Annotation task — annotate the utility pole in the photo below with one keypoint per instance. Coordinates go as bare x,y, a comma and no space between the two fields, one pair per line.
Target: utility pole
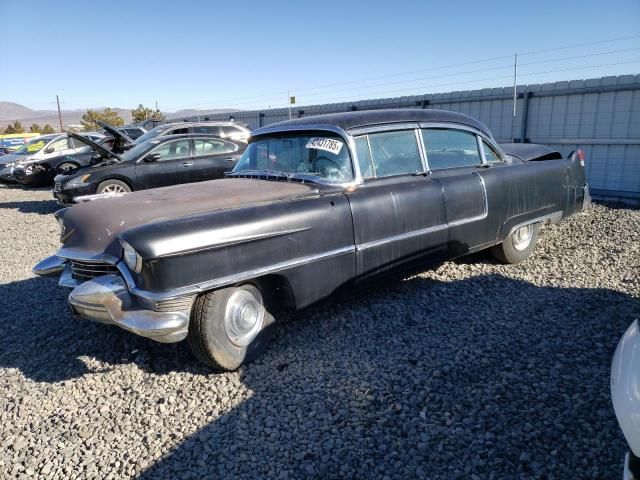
156,105
515,80
289,103
59,114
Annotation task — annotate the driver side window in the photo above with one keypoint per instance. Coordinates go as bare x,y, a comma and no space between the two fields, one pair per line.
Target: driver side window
59,145
395,153
172,150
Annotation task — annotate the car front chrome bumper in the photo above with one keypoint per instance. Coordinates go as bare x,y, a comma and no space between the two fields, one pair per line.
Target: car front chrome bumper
106,299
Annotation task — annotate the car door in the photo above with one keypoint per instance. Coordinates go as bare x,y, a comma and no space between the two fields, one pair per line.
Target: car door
398,213
164,165
454,159
212,157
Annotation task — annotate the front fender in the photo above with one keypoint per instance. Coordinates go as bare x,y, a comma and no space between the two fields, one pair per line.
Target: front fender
625,385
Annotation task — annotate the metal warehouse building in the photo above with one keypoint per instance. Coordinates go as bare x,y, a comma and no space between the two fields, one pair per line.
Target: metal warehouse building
600,115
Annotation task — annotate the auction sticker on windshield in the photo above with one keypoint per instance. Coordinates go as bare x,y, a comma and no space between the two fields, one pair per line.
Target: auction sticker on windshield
327,144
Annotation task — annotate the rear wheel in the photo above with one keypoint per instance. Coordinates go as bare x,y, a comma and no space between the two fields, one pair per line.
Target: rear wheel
113,186
229,327
518,246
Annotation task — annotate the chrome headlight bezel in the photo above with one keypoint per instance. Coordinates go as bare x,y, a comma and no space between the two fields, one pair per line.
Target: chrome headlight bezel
130,257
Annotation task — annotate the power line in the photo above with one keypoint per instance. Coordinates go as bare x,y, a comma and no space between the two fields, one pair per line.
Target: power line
274,95
369,94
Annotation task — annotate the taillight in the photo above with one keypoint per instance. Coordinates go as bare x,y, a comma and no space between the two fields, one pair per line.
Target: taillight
581,156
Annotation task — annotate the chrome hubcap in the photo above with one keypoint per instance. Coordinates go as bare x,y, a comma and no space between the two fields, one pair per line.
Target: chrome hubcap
522,237
243,317
114,188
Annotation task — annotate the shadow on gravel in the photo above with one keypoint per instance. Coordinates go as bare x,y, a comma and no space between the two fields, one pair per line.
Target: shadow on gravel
412,381
42,339
487,376
44,207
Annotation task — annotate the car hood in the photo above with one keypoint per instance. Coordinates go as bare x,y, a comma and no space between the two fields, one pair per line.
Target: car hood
12,157
91,228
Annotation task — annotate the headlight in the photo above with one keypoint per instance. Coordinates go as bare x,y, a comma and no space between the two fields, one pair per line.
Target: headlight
131,257
78,181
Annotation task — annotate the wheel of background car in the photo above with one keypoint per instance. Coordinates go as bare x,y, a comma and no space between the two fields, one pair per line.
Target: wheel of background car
229,327
65,167
337,169
113,186
518,246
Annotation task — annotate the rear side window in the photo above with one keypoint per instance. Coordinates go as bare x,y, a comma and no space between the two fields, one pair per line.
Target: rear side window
172,150
59,145
450,148
364,157
179,131
490,154
207,129
395,153
213,147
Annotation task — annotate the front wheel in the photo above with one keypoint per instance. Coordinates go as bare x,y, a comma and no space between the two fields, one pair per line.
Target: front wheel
113,186
518,246
229,327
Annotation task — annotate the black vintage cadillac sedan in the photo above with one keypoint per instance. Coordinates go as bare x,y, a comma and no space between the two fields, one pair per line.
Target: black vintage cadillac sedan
314,205
167,160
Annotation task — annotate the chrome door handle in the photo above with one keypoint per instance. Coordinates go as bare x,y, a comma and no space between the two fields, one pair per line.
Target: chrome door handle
229,159
187,164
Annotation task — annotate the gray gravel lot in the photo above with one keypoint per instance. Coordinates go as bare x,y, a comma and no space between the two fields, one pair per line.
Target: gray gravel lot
475,370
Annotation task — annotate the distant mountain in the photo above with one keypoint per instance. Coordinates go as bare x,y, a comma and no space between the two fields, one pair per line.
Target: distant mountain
9,112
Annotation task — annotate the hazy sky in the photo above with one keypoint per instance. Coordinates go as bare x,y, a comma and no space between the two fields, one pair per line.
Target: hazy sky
208,54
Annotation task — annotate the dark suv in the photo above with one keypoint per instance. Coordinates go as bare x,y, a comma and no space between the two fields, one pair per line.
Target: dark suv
225,130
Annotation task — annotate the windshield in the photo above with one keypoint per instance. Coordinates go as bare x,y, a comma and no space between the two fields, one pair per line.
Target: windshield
32,146
153,133
323,155
138,150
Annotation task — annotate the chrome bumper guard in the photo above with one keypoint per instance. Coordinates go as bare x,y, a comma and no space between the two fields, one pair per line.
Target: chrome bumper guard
106,299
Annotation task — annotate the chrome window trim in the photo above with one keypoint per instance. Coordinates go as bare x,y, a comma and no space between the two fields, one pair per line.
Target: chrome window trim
421,152
423,147
387,127
230,279
483,159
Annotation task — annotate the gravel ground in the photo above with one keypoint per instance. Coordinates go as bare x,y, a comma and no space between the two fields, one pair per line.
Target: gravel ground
475,370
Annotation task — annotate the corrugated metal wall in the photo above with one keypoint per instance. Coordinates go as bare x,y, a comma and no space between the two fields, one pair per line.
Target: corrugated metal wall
601,116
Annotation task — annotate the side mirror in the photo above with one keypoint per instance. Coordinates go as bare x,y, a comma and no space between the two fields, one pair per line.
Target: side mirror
49,150
152,158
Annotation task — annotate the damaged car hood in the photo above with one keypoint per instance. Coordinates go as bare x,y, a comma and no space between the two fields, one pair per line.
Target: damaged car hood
90,229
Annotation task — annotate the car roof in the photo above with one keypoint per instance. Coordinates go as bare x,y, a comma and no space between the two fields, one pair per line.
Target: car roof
174,136
219,123
367,118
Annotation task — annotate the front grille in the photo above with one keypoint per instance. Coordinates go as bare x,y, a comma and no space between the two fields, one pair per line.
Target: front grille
174,305
88,270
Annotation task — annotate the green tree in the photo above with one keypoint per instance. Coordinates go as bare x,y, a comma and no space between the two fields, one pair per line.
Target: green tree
91,118
142,113
35,128
48,129
15,127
